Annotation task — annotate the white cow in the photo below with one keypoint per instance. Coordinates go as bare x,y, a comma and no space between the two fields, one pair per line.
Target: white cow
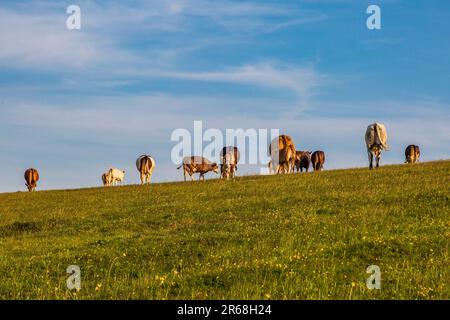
229,159
376,141
115,176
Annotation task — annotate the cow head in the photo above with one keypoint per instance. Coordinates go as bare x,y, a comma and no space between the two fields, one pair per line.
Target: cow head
31,186
215,167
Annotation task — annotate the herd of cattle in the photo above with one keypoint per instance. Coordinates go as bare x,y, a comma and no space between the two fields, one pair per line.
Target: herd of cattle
284,159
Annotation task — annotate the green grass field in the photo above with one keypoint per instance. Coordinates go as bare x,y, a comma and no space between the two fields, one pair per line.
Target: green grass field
302,236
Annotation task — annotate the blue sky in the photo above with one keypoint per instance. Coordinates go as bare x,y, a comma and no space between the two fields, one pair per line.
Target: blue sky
74,102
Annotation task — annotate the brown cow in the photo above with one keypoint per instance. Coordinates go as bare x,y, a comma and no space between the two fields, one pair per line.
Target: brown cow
200,165
145,165
318,159
412,154
284,159
31,178
302,160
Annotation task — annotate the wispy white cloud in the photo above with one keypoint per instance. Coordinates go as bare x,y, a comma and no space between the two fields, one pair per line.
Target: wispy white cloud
43,42
301,80
34,35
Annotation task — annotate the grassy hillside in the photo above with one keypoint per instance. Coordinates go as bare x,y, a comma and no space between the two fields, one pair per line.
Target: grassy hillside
302,236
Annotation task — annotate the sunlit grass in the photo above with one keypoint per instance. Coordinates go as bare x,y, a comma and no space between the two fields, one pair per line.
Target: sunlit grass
302,236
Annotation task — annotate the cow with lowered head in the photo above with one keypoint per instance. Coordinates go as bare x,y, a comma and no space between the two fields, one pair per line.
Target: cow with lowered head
197,164
31,179
318,160
376,142
302,160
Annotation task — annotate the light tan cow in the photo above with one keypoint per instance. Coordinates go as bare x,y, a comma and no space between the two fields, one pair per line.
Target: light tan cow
145,165
282,154
115,176
376,142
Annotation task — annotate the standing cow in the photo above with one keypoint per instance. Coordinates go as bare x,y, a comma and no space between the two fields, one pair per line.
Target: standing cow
115,176
376,141
31,178
282,154
412,154
198,164
145,165
302,160
318,160
229,159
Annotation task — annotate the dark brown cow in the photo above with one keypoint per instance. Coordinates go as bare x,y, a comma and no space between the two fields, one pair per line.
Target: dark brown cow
31,178
302,160
318,159
200,165
412,154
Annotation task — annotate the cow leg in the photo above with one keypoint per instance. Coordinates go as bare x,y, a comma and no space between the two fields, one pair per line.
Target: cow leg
142,178
370,154
378,156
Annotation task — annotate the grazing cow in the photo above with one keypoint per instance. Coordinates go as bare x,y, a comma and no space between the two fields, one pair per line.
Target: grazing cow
282,154
31,178
376,141
200,165
302,160
115,176
145,165
318,160
412,154
229,159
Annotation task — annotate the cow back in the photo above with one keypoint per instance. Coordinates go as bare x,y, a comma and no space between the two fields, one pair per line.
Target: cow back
282,142
381,135
31,176
412,151
318,157
196,160
230,154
